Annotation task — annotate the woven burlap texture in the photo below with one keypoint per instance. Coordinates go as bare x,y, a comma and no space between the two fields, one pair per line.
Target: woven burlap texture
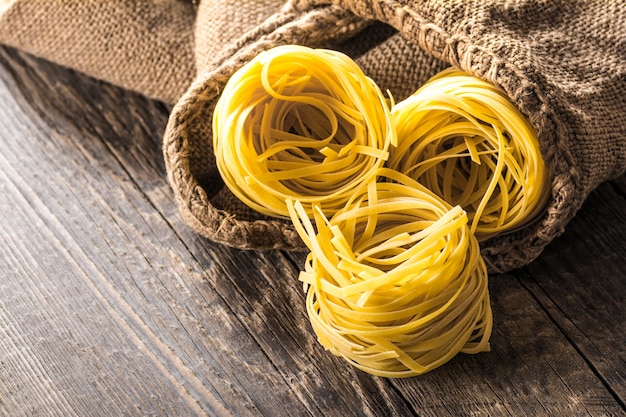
145,46
562,63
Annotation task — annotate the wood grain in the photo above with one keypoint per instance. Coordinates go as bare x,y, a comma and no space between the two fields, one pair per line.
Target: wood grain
111,305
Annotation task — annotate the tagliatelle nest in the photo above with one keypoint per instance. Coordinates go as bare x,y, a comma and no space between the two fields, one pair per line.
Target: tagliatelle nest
395,281
300,123
464,140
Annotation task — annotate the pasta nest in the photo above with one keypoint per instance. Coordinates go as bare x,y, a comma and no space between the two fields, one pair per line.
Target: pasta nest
465,141
300,123
395,281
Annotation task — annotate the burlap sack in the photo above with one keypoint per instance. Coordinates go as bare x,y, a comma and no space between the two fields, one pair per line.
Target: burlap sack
563,63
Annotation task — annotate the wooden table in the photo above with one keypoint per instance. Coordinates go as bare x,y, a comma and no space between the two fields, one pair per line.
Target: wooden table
110,305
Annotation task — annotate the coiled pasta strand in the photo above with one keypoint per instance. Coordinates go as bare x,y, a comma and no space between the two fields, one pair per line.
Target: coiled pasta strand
462,138
395,281
300,123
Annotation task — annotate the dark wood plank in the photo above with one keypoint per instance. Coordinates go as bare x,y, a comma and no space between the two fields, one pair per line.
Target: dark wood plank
110,304
581,282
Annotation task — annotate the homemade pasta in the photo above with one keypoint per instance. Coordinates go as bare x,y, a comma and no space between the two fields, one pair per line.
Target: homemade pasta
395,281
303,124
462,138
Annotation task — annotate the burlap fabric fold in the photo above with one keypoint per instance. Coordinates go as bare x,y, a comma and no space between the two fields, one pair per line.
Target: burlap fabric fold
562,63
145,46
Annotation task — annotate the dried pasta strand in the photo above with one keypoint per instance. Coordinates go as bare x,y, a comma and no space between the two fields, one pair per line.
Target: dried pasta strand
461,137
395,281
300,123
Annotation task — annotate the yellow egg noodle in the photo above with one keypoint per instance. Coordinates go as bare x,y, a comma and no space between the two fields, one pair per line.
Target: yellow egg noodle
300,123
462,138
395,281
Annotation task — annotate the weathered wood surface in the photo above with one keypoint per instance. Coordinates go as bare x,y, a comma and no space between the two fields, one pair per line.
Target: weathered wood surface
110,305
